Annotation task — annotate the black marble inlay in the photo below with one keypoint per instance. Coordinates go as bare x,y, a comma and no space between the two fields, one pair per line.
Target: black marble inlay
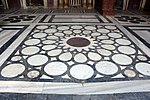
139,28
134,22
7,19
10,41
130,19
19,18
121,19
141,20
27,19
15,21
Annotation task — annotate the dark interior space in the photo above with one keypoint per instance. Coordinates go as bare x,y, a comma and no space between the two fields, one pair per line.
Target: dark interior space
119,4
147,6
35,3
14,3
134,4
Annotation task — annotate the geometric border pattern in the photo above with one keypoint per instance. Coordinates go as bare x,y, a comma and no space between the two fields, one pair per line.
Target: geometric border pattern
47,45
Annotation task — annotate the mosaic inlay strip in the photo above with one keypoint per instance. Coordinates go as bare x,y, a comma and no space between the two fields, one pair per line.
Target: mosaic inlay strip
74,19
20,18
8,34
130,20
76,53
141,32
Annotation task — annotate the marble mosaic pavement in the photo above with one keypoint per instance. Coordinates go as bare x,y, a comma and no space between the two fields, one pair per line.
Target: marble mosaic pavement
56,56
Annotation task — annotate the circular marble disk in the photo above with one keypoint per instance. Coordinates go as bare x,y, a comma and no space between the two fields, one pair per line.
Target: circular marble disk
122,59
143,68
65,56
37,60
33,74
32,42
30,50
129,73
81,72
13,70
55,68
106,67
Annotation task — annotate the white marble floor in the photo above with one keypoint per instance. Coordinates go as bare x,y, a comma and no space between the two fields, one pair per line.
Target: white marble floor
73,54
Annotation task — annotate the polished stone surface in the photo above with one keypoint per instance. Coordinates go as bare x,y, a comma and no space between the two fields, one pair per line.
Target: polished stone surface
72,53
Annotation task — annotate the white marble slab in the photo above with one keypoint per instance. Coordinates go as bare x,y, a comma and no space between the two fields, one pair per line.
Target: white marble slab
75,88
6,35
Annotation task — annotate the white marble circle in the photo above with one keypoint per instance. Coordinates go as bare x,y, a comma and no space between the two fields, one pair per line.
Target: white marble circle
126,50
68,32
115,35
16,58
123,41
81,72
55,52
129,73
50,31
33,74
143,68
65,56
80,58
76,27
106,67
108,47
77,31
96,34
90,28
94,56
37,60
1,29
30,50
111,27
63,28
36,30
59,34
39,35
103,37
104,52
107,41
49,42
49,47
42,27
13,70
103,30
52,37
122,59
32,42
55,68
86,32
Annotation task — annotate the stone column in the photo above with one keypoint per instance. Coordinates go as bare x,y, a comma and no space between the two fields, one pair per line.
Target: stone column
61,3
24,4
55,3
65,3
90,5
45,3
4,4
142,5
125,4
84,3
